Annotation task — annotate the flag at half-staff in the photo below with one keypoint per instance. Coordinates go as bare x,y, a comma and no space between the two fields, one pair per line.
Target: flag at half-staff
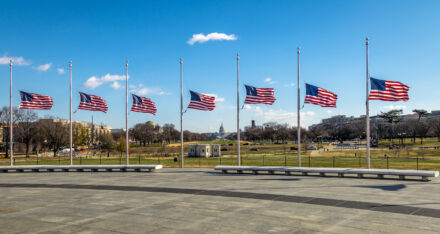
259,95
35,101
143,105
201,101
385,90
320,96
92,103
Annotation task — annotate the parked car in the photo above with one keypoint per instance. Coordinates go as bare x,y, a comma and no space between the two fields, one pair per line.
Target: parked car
293,148
66,152
312,147
224,149
254,149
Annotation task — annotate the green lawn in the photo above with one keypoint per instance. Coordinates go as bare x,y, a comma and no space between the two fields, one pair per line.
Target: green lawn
267,155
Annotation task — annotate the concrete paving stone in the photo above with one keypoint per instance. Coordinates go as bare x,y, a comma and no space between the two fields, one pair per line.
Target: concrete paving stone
11,225
114,226
214,203
387,228
350,230
71,229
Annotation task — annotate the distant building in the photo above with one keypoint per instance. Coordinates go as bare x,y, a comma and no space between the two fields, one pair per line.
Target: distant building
221,132
204,150
93,131
116,130
253,124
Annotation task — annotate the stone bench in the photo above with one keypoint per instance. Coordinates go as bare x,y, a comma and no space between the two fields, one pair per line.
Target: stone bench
341,172
79,168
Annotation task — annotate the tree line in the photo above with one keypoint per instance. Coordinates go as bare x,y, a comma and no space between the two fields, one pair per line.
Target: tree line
34,134
390,125
149,133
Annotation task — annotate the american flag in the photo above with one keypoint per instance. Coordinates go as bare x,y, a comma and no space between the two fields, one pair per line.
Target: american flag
92,103
259,95
143,105
320,96
35,101
385,90
201,101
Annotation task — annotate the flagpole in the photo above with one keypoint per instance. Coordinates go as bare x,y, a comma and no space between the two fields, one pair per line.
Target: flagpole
11,128
70,114
238,111
126,113
367,116
299,117
181,115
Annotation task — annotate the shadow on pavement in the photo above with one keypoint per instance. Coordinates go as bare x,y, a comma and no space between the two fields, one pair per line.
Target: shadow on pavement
394,187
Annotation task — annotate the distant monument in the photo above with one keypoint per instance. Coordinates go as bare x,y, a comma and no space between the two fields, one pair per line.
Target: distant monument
221,132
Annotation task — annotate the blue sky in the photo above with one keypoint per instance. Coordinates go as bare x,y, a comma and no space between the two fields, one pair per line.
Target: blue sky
98,36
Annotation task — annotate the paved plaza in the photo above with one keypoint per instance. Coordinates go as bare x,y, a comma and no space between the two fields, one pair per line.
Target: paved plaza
204,201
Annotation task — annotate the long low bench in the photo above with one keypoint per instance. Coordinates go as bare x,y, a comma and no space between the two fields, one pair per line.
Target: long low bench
79,168
341,172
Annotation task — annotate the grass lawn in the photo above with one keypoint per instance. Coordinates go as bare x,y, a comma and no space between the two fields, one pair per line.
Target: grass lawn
412,157
266,159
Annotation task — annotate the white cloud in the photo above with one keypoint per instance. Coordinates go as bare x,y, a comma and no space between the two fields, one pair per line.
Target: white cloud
289,85
115,85
19,61
269,81
94,82
61,71
393,107
217,98
202,38
329,111
141,90
43,67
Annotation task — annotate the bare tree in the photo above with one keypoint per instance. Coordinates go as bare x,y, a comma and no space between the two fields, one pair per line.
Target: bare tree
27,128
422,129
434,123
54,134
107,143
4,120
392,116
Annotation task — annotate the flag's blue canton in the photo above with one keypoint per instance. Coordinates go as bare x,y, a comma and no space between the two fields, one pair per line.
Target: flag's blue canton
311,90
195,96
26,97
377,84
85,98
251,91
137,100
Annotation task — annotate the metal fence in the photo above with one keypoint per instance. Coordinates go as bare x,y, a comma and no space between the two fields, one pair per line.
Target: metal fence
247,159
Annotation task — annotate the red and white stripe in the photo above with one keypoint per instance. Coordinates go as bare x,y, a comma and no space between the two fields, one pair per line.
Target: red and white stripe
325,98
97,104
40,102
394,91
264,96
147,106
207,103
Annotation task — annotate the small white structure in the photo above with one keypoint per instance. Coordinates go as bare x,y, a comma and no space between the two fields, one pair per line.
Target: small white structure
204,150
